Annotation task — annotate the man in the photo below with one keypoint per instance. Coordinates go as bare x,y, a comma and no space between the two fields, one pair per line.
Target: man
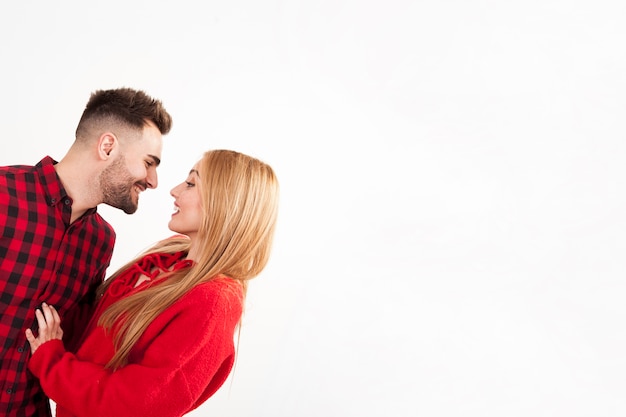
54,246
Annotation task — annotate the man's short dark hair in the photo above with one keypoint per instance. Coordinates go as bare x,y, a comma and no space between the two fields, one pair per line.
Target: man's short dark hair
125,105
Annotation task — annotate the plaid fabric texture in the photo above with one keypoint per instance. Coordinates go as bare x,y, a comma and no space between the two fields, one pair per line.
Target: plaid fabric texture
42,259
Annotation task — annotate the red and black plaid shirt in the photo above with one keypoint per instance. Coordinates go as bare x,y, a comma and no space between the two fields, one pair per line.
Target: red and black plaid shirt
42,258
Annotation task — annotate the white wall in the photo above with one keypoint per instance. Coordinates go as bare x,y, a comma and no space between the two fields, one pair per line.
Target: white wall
452,232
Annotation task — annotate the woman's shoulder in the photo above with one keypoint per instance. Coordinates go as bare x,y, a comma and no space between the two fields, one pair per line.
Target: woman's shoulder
206,302
220,299
218,290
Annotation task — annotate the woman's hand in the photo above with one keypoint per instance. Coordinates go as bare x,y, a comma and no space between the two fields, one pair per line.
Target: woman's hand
49,327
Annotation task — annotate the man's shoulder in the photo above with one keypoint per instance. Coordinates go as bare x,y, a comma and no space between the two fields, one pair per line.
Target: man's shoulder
30,173
43,162
17,170
17,179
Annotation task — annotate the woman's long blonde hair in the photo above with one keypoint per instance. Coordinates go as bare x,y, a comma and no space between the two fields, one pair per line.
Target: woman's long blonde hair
240,200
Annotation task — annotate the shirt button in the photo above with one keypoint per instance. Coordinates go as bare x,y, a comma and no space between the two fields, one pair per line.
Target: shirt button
20,349
67,202
9,391
53,200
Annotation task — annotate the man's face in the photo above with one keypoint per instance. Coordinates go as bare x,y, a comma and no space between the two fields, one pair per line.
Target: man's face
132,171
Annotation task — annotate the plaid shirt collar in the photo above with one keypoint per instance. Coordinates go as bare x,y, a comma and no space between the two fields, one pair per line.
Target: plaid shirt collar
55,192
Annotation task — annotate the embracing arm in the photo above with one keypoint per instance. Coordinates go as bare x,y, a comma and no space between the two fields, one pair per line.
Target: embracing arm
186,357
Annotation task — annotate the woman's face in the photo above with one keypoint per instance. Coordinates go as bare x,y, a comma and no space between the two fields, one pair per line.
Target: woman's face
187,216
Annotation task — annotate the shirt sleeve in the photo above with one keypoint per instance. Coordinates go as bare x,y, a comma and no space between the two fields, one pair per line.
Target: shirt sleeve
180,368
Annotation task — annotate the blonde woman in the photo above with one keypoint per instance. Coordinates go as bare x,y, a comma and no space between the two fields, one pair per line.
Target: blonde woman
161,339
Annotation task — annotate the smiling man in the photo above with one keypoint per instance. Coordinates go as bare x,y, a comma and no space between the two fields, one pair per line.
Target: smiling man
54,246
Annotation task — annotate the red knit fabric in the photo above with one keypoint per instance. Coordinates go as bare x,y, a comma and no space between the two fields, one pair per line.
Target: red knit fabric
184,356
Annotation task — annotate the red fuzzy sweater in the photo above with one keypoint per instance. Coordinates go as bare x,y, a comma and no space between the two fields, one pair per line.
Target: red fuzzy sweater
183,357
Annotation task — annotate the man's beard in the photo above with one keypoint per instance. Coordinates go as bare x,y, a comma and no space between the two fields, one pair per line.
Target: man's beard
117,185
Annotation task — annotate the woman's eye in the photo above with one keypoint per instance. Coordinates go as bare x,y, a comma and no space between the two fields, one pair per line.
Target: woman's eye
190,184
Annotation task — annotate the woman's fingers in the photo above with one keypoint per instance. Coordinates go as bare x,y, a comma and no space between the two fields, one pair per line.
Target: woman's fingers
58,332
48,315
30,336
55,314
49,323
32,341
35,342
41,322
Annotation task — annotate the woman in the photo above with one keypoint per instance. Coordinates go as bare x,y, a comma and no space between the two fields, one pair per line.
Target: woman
160,342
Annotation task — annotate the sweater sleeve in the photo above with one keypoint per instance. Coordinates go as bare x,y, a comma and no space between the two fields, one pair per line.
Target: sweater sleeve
188,355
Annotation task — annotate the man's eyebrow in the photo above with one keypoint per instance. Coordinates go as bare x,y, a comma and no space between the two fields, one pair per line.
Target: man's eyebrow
157,161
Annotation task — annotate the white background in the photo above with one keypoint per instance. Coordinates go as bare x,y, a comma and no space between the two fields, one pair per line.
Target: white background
453,173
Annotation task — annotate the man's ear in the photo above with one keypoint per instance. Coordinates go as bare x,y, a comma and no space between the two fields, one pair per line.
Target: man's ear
106,145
